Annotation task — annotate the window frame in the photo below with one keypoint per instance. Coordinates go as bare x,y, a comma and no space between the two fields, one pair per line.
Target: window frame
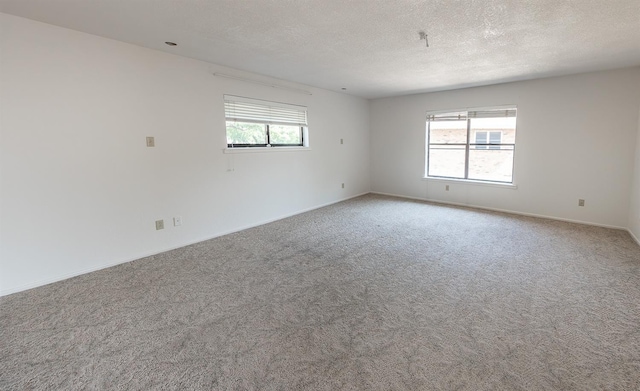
269,144
267,113
468,145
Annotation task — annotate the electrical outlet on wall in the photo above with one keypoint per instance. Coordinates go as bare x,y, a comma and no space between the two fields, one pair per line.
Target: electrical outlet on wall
580,202
159,224
151,142
177,221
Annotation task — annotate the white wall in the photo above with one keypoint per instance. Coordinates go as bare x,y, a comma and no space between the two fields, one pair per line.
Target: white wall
576,138
634,210
79,189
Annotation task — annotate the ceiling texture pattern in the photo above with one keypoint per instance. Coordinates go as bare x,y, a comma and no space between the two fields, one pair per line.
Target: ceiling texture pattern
370,47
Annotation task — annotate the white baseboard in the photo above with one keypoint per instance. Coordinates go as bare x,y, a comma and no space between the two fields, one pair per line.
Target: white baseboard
263,222
503,211
634,236
60,277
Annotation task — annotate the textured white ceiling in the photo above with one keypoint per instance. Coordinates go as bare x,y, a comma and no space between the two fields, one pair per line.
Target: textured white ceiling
371,47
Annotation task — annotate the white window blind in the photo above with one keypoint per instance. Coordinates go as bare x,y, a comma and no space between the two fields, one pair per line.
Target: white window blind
242,109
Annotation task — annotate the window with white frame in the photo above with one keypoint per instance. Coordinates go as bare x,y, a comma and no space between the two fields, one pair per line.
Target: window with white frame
260,123
474,144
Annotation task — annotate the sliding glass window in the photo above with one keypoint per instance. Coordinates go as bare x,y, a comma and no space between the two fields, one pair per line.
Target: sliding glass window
474,145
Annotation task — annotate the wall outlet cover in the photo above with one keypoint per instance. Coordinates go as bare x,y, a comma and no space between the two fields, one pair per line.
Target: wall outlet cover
159,224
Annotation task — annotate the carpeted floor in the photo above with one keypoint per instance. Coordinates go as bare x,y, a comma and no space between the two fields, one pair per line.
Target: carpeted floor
375,293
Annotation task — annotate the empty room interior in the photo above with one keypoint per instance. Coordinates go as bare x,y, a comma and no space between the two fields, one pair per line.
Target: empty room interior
321,195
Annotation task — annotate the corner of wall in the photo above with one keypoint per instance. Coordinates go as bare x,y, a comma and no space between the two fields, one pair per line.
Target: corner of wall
72,101
634,209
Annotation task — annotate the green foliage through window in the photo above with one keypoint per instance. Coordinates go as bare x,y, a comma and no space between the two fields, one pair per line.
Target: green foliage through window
258,123
249,134
240,133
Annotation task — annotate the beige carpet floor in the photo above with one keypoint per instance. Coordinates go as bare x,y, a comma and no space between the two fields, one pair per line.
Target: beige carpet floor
375,293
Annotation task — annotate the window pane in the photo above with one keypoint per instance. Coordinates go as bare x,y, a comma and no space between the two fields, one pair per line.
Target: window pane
475,145
448,132
491,164
501,130
446,161
246,133
285,134
493,123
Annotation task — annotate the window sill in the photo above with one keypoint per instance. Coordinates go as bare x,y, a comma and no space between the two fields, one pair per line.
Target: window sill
264,149
510,186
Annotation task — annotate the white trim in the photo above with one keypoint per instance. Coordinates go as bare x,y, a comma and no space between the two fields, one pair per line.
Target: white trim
634,236
503,211
263,149
467,109
510,186
47,281
66,276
